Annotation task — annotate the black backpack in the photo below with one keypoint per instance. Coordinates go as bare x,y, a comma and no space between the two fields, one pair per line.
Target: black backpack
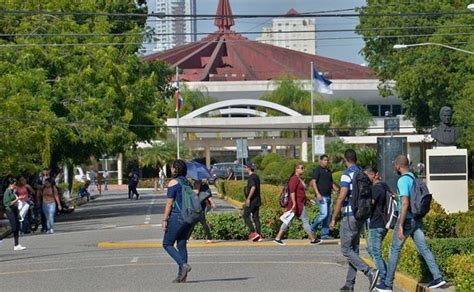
390,210
361,196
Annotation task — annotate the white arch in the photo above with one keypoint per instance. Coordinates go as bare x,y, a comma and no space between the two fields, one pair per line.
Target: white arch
242,102
238,111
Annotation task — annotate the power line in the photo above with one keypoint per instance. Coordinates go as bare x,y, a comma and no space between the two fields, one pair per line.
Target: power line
163,15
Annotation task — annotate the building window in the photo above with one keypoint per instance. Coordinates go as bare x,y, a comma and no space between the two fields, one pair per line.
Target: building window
373,109
385,108
396,110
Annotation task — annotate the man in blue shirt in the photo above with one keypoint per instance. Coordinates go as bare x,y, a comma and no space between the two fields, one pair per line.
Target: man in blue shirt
350,227
408,226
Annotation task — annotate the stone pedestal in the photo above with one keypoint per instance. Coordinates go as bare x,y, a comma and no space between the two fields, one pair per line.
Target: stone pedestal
446,177
388,148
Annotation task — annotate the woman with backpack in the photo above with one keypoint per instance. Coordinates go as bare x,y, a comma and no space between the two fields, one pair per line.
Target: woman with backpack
176,230
296,189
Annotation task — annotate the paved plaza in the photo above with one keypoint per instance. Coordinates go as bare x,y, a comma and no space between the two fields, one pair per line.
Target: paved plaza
71,259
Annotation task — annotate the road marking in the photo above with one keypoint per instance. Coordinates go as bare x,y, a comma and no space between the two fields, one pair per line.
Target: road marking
168,264
134,260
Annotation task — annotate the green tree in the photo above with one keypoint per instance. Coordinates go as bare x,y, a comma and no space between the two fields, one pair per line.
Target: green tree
346,115
427,77
193,100
79,98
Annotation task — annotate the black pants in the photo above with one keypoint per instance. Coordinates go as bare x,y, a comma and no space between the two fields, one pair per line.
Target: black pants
254,211
14,219
132,190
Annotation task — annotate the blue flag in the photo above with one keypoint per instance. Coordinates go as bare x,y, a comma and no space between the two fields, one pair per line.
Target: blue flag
321,84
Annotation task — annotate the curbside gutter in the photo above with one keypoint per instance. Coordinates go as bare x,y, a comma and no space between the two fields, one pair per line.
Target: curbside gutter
406,282
214,244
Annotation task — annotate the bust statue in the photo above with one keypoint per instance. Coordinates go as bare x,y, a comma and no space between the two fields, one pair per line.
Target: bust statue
445,134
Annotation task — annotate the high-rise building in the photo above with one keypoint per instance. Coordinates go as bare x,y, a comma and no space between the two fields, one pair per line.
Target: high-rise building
171,32
291,32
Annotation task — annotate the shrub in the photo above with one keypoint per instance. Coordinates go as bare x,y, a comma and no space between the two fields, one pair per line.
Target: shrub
257,160
461,269
465,225
411,262
271,173
286,170
336,176
146,183
439,226
269,158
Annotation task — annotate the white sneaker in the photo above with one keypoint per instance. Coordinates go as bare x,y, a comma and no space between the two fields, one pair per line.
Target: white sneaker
1,242
19,247
51,231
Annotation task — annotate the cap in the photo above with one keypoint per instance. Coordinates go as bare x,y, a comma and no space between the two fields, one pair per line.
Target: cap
250,165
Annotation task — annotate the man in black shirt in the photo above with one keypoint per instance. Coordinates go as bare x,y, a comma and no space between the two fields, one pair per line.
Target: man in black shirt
252,203
323,184
377,230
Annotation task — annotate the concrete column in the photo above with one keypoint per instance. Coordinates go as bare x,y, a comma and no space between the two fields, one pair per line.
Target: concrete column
274,148
120,168
207,153
304,145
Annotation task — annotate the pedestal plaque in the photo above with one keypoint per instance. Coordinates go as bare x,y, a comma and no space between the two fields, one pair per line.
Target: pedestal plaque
446,176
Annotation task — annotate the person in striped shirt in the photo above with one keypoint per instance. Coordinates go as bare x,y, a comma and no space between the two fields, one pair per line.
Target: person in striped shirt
351,228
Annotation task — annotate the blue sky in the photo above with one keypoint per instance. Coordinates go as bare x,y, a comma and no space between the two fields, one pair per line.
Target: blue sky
347,50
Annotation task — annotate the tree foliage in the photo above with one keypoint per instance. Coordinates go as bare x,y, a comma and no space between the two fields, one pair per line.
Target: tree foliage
70,102
346,115
427,77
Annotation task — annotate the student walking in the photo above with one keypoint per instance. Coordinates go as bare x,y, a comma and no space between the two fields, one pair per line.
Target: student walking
105,176
50,201
296,189
10,200
323,184
252,204
132,185
408,225
176,230
202,187
351,228
377,228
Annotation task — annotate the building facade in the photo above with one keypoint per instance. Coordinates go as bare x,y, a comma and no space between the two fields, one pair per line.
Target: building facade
292,33
171,32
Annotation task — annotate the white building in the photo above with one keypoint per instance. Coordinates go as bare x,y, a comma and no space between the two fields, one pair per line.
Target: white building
171,32
291,32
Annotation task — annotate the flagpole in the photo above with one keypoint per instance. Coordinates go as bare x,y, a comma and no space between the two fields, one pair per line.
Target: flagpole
177,117
312,112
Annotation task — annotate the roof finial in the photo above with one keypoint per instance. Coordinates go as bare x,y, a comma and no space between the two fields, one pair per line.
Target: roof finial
224,19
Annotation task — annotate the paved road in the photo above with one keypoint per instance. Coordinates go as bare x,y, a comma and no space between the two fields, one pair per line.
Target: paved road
70,260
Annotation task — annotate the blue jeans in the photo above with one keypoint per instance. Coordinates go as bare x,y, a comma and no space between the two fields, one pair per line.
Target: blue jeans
376,236
324,217
49,210
413,228
177,231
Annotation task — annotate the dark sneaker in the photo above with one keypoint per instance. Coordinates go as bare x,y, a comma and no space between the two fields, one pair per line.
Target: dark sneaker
279,241
185,269
382,288
373,276
316,241
436,283
346,288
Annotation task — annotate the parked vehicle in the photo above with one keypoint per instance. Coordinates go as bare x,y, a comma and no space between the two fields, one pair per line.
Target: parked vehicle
219,170
79,174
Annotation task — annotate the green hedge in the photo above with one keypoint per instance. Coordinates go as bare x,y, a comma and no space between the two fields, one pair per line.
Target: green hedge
231,225
461,270
411,262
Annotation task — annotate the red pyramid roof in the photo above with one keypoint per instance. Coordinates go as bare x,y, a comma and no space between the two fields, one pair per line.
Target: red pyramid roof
292,12
224,19
228,56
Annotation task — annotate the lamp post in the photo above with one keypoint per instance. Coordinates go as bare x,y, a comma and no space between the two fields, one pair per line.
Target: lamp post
403,46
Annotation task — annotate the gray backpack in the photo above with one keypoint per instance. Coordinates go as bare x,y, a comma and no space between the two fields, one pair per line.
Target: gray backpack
420,198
